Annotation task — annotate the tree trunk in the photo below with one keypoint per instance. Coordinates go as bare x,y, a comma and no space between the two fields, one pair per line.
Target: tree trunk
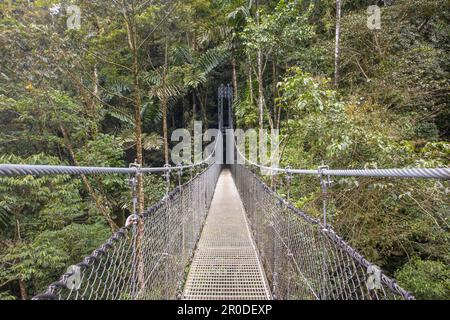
172,117
260,81
105,212
96,90
235,88
17,240
250,80
260,91
138,131
130,24
95,98
204,115
165,103
165,133
337,44
23,289
183,107
194,107
277,109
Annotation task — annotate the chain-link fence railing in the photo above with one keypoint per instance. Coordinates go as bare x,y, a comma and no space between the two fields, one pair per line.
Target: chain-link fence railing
302,258
146,260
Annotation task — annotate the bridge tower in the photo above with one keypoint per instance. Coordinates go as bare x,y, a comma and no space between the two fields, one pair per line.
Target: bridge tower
225,107
225,117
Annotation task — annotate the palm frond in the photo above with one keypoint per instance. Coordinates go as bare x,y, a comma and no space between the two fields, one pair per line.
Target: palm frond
150,141
166,91
116,89
150,112
193,77
182,54
213,33
212,58
154,77
244,11
121,115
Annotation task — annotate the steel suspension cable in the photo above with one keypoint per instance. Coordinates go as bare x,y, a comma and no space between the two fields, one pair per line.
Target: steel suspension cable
426,173
10,170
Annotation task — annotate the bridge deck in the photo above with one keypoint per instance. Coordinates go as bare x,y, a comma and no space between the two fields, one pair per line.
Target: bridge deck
226,264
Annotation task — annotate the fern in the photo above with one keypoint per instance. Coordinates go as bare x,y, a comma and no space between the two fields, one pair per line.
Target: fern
213,33
242,10
121,115
213,58
5,218
182,54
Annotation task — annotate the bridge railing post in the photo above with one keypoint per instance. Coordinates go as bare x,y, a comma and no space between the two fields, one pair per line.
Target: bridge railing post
288,231
183,223
288,182
325,184
180,174
133,220
168,168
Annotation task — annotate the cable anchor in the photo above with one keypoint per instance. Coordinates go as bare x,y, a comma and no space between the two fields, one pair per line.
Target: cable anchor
134,217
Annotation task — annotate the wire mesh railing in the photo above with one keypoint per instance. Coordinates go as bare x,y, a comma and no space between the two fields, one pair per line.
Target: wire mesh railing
382,209
146,260
302,258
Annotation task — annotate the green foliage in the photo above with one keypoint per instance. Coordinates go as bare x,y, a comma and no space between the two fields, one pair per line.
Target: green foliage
301,92
280,31
40,237
56,197
193,71
404,66
387,220
64,91
48,256
6,296
246,113
101,152
426,279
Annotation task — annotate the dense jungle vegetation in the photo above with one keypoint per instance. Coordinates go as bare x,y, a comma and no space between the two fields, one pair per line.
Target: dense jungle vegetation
113,90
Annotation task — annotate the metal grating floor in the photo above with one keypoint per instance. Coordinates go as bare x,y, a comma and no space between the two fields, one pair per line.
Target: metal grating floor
226,265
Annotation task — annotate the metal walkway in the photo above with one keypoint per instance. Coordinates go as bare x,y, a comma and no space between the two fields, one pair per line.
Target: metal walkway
226,265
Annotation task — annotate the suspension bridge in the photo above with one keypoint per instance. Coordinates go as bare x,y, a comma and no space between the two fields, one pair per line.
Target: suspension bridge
225,234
